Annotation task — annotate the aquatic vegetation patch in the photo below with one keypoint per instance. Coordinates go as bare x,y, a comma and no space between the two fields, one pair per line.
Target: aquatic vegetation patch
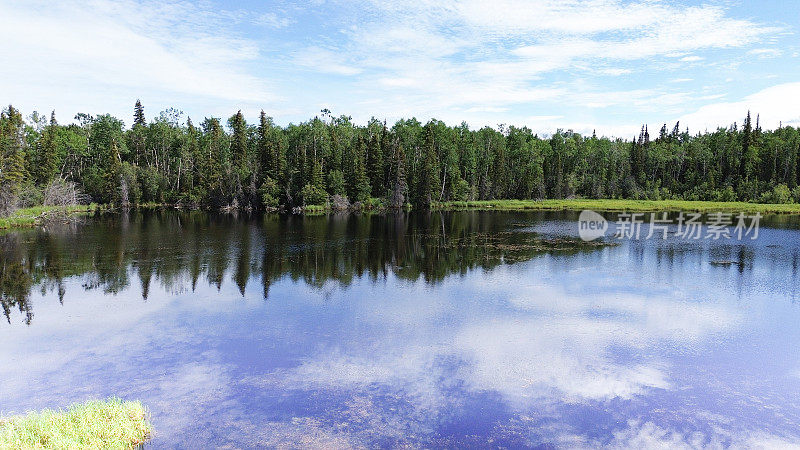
516,246
111,423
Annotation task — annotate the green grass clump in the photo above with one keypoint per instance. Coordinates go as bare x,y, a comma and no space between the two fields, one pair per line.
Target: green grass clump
28,217
104,424
621,205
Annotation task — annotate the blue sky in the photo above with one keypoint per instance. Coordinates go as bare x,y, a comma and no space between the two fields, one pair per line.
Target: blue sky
609,65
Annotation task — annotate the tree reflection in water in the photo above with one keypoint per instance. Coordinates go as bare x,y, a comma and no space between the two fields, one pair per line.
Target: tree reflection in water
178,249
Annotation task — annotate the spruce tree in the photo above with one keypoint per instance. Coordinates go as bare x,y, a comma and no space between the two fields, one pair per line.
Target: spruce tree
138,135
428,182
138,114
193,150
266,151
375,167
399,186
12,158
356,179
47,161
239,154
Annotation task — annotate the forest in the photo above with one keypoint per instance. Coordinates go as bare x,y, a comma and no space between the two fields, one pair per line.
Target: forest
330,160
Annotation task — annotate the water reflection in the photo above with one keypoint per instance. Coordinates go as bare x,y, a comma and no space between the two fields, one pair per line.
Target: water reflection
178,249
441,330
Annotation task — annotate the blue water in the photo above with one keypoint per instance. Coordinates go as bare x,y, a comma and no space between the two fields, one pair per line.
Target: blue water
420,331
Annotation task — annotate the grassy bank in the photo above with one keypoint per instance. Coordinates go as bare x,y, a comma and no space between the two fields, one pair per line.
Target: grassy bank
96,424
28,217
621,205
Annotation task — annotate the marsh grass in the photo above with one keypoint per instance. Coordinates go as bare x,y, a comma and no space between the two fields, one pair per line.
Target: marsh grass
28,217
111,423
621,205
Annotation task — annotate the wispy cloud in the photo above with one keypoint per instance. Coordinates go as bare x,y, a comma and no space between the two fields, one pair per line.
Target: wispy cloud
771,103
79,54
608,63
765,52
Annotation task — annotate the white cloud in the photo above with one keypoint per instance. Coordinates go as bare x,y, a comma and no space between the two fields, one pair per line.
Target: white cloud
774,104
649,435
326,61
272,20
486,63
765,52
439,59
78,56
615,72
521,355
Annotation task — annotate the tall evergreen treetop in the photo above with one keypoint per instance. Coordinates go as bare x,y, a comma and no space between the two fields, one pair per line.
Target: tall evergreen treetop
138,114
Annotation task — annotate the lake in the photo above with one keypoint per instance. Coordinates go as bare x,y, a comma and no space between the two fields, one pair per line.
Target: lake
454,329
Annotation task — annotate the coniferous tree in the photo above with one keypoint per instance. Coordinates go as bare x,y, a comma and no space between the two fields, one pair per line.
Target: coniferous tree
239,155
138,114
358,182
428,184
47,162
165,161
375,166
266,149
398,177
139,134
215,149
193,168
12,157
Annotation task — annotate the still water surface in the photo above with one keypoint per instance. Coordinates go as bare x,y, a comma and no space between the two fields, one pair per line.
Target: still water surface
477,329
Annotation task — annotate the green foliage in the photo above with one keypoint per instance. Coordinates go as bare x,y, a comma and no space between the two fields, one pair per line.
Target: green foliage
112,423
356,180
240,155
149,184
461,191
779,194
169,160
47,157
27,217
313,195
336,183
130,184
428,184
724,195
30,195
269,193
12,158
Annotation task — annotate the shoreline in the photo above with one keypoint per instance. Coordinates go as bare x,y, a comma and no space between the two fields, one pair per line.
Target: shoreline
40,215
604,205
619,205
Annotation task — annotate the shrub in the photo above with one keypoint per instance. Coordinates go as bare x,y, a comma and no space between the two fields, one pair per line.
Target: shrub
779,194
29,195
725,195
461,190
150,183
313,195
268,192
336,183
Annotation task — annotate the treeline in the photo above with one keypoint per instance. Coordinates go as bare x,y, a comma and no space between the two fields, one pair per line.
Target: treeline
330,159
